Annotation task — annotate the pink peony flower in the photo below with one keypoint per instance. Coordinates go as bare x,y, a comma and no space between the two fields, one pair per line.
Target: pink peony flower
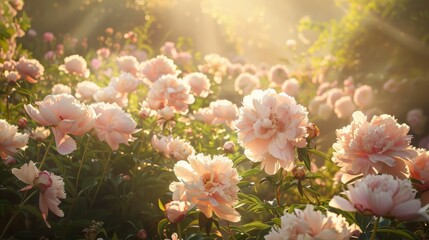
344,107
200,84
48,37
76,65
278,74
208,183
291,87
30,69
379,146
416,119
270,126
215,65
166,113
103,52
109,94
391,86
51,188
245,83
10,139
224,111
128,64
66,115
183,58
311,224
124,83
419,170
169,49
12,76
204,115
85,90
324,111
349,86
40,134
363,96
113,125
61,88
170,147
333,95
153,69
170,91
176,210
95,63
382,195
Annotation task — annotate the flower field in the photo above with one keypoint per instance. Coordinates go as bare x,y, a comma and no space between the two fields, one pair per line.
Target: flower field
128,135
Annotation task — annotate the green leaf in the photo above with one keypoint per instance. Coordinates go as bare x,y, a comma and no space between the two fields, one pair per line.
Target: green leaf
304,157
404,234
251,172
160,205
161,226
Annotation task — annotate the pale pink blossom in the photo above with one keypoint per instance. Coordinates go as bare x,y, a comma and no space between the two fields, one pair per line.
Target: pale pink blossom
344,107
76,65
278,74
145,110
215,65
95,63
169,147
204,115
165,113
66,115
124,83
48,37
313,106
349,86
379,146
363,96
169,49
245,83
391,86
183,58
270,126
109,94
152,69
171,91
224,111
30,69
416,119
291,87
113,125
103,52
210,184
199,82
176,210
291,43
419,170
311,224
51,188
128,64
86,90
333,95
250,68
382,195
12,76
234,69
40,134
10,139
324,111
61,88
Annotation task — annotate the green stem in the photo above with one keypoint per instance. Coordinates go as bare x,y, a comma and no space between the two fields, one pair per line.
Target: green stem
179,230
82,160
374,230
15,214
46,152
278,188
230,231
102,179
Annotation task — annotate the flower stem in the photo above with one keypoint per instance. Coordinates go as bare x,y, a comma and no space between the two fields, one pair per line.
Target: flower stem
82,160
374,230
15,214
46,152
106,169
230,231
179,230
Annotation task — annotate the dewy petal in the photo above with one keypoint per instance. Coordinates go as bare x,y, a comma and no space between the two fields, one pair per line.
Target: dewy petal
342,203
65,144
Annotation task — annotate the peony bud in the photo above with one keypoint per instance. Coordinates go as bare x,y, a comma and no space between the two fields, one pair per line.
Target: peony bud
312,131
298,172
229,147
22,123
141,234
176,210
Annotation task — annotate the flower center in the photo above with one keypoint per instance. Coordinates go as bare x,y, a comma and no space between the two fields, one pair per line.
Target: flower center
209,181
43,181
